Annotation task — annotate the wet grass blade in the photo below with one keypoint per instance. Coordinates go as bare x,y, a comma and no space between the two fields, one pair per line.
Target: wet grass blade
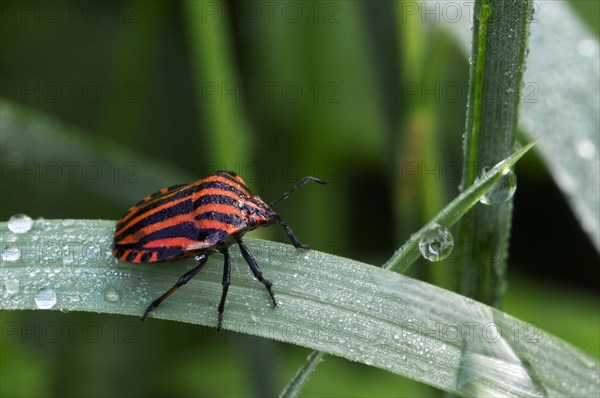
328,303
409,252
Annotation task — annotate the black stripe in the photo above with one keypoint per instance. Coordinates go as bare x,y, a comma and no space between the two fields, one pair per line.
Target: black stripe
181,230
228,201
144,209
189,191
184,230
216,199
262,205
224,186
178,209
146,257
131,256
225,218
165,191
178,195
156,194
230,175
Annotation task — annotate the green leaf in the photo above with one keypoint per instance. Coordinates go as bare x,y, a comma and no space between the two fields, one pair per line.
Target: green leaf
500,32
217,86
328,303
409,252
301,377
560,102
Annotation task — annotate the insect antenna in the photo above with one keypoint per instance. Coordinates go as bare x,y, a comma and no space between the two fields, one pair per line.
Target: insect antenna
298,185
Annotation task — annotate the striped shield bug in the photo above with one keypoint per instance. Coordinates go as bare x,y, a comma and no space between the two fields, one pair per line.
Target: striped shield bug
198,219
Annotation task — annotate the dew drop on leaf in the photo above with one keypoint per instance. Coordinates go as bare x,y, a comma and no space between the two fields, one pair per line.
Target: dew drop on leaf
112,295
45,298
437,243
502,190
20,223
586,149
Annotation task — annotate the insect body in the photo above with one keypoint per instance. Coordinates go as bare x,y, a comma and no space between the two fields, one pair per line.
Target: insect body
200,218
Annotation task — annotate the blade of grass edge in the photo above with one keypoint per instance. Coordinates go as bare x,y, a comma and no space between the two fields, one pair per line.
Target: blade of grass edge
293,388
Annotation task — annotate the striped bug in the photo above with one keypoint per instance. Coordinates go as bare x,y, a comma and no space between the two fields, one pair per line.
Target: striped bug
200,218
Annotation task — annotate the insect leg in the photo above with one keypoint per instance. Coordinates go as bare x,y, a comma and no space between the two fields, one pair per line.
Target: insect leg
226,279
255,268
185,278
297,244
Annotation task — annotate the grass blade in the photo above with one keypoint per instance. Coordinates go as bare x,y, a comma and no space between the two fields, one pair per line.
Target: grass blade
561,103
301,377
228,136
332,304
409,252
500,34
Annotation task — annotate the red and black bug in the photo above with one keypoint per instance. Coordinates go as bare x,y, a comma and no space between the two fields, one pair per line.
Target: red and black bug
200,218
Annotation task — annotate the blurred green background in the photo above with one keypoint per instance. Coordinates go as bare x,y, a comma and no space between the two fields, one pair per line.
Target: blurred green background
138,95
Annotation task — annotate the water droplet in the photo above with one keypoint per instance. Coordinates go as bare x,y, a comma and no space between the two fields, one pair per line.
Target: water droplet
45,298
112,295
586,149
68,223
20,223
437,243
11,252
502,190
12,286
587,48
